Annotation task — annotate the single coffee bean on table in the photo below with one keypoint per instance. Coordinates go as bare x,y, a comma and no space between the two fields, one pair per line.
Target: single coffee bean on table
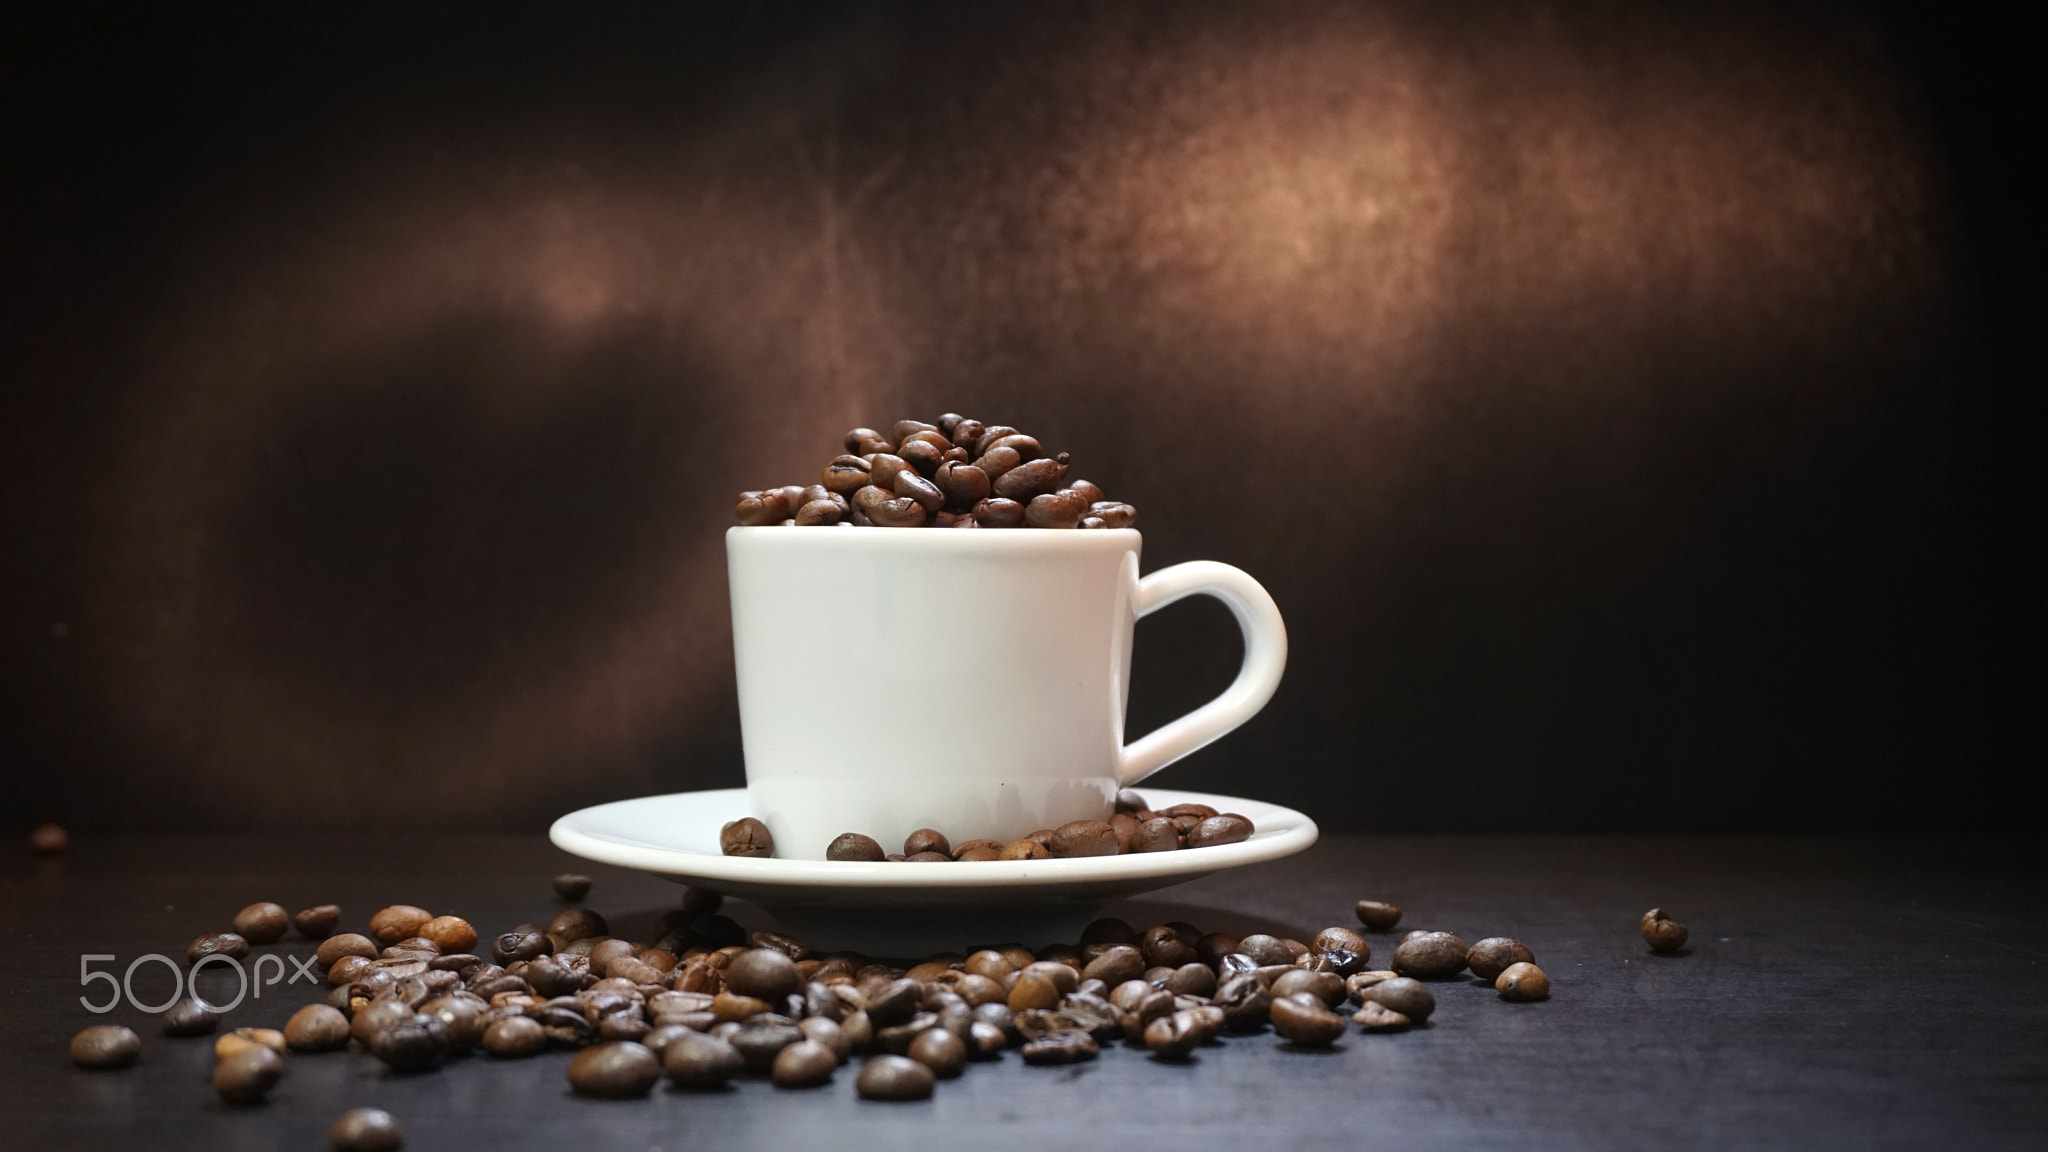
366,1130
248,1076
572,886
617,1071
449,933
1491,956
105,1046
1378,917
1662,933
411,1044
317,922
1303,1019
398,921
228,944
894,1078
1523,983
1430,955
191,1017
1374,1016
804,1064
941,1051
262,923
1406,995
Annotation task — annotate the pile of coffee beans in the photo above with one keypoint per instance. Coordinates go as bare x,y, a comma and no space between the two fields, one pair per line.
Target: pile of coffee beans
958,473
1133,827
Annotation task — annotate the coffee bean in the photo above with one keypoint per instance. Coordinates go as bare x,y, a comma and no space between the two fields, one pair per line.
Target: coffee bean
615,1071
700,1061
1522,982
865,441
1410,997
1265,950
49,840
1662,933
1214,831
746,836
572,886
1116,964
333,948
1198,811
1305,1021
366,1130
894,1078
1336,939
1061,1048
1026,447
756,509
1327,988
1491,956
820,1030
191,1017
901,512
846,475
1213,947
759,1040
997,463
1054,509
105,1046
804,1064
412,1044
1032,478
232,1042
262,922
910,485
820,513
1377,1017
1430,955
229,944
1173,1036
1024,850
1163,947
941,1051
248,1076
764,973
963,485
1113,513
398,921
317,922
996,512
461,1017
515,1037
449,933
1378,917
519,944
926,840
1082,838
1089,493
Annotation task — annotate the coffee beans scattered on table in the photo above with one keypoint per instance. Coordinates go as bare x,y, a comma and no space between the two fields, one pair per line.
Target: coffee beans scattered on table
105,1046
958,473
709,1002
1661,932
366,1130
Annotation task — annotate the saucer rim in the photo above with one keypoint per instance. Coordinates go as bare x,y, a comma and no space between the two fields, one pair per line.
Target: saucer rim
1284,832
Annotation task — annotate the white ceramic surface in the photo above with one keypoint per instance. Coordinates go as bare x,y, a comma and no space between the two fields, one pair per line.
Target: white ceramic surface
677,836
970,681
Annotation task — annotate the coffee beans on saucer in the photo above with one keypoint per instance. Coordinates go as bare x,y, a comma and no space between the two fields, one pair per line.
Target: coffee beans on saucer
958,473
1133,827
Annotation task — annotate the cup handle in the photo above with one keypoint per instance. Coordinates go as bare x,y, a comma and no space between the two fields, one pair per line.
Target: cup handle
1265,658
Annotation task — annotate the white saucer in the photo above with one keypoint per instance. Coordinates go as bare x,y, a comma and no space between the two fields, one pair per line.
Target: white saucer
677,836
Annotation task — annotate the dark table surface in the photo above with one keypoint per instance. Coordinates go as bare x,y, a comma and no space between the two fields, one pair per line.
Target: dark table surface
1861,993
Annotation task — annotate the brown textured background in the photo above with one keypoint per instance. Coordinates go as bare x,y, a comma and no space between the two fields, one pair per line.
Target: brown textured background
1603,391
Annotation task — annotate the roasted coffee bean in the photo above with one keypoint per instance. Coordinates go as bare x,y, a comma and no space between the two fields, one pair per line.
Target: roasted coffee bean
317,922
458,963
788,945
1338,962
894,1078
373,1016
1357,983
1026,447
1032,478
746,836
616,1071
1217,830
1174,1036
1212,948
926,840
49,839
901,512
1198,811
1327,988
229,944
925,451
1377,1017
1126,827
514,1037
1305,1021
1244,999
764,973
232,1042
1430,956
884,467
572,886
912,486
819,513
1522,982
759,1040
1061,1048
700,1061
929,858
1196,979
1032,992
965,432
804,1064
1024,850
398,921
828,1033
1163,947
1131,801
1411,998
334,948
1113,513
366,1130
1117,963
846,475
1662,933
756,509
248,1075
1082,838
1378,917
866,441
941,1051
1491,956
1265,950
105,1046
963,485
449,933
717,932
1336,939
1089,493
262,922
462,1018
1054,509
996,512
520,944
997,463
191,1016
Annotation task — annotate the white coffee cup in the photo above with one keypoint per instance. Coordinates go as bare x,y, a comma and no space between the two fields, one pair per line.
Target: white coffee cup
892,679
